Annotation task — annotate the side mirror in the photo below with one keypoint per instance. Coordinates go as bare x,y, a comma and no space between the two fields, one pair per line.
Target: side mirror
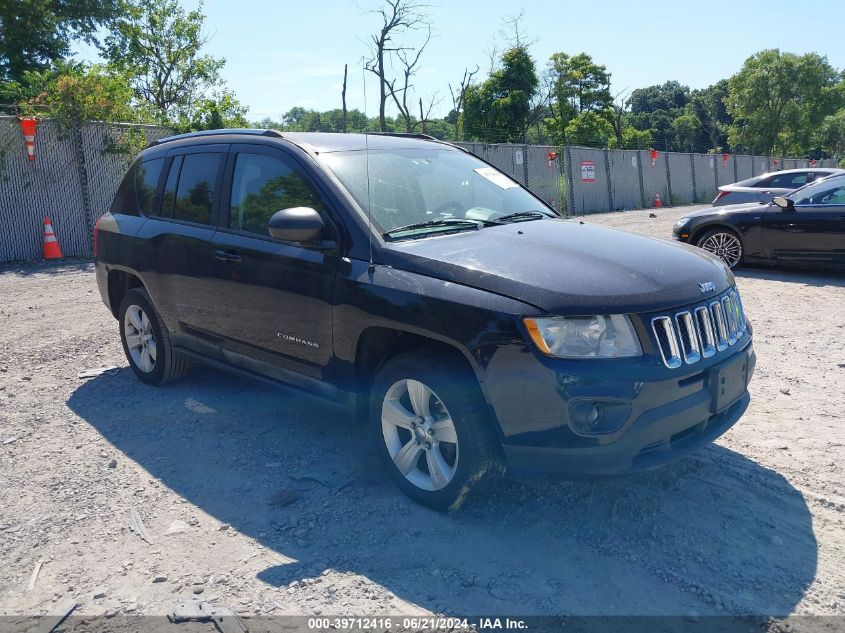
786,204
298,224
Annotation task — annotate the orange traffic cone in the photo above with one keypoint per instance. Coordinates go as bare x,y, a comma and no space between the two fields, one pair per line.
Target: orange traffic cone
51,244
28,127
657,202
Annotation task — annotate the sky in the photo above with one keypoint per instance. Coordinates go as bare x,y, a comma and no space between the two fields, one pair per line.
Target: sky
281,54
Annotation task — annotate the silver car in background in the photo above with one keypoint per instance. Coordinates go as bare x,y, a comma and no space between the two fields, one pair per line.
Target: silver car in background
764,187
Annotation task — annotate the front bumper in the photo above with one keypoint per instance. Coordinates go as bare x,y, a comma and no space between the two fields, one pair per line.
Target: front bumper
682,233
665,415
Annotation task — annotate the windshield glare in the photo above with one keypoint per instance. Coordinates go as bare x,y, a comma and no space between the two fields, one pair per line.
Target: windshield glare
410,186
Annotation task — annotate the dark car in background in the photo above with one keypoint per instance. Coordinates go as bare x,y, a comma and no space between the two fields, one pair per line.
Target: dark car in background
803,228
766,186
469,326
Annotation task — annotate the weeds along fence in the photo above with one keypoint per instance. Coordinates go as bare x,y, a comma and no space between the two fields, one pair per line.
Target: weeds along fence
71,181
580,180
76,172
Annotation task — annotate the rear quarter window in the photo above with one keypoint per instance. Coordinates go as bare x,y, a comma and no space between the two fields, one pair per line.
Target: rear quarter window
137,192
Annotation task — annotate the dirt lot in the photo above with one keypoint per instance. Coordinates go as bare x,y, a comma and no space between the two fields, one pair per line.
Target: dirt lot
269,503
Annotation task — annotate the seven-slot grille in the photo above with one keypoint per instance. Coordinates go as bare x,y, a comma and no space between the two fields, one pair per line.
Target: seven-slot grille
700,332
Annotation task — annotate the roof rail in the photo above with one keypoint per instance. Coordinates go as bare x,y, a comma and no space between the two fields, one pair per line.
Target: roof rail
427,137
250,131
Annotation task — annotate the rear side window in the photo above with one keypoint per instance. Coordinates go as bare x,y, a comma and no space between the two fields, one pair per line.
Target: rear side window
137,193
190,188
788,181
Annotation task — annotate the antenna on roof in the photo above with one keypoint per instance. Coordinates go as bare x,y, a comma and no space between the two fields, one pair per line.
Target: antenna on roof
372,267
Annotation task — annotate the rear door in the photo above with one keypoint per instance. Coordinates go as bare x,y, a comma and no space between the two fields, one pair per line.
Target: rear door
273,298
177,239
813,233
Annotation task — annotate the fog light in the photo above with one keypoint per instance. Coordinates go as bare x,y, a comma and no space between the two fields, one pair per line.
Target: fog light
597,417
586,415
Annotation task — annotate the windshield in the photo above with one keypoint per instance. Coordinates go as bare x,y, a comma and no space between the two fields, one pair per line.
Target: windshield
819,192
439,187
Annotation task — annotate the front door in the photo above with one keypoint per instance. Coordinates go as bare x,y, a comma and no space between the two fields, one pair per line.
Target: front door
274,298
813,233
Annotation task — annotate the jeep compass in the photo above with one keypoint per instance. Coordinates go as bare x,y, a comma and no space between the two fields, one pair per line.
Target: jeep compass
467,324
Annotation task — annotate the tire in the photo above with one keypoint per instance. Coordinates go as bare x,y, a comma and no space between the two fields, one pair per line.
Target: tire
151,355
440,463
724,244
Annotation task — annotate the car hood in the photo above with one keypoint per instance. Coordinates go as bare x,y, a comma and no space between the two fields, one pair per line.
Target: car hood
566,267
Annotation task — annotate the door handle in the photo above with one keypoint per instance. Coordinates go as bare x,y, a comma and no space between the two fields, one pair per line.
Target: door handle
230,257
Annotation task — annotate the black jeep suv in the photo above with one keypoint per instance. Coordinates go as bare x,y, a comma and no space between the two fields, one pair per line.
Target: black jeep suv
471,327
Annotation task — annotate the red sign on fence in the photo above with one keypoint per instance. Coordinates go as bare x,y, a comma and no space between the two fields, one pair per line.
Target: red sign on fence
588,171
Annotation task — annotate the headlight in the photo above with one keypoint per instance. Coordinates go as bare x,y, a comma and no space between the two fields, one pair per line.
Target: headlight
600,336
681,222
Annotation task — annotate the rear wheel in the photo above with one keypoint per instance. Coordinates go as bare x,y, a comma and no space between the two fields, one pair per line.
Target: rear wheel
723,243
146,341
431,430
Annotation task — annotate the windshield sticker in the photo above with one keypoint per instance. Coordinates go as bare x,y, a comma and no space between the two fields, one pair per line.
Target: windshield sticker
496,177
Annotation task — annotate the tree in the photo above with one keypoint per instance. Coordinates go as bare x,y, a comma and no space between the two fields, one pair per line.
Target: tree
73,92
654,108
779,100
578,85
685,129
397,17
498,109
159,45
409,61
36,33
220,110
708,106
589,128
832,136
459,97
632,138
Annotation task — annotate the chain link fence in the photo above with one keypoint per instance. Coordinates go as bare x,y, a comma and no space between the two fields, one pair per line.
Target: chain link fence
580,180
71,181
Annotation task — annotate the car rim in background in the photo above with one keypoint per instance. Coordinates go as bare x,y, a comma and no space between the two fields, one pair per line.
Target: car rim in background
419,434
140,341
724,245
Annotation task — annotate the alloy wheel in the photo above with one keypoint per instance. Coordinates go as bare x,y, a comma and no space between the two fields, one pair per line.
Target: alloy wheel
419,434
140,339
724,245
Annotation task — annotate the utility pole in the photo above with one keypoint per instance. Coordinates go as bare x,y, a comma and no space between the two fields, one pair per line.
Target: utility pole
343,97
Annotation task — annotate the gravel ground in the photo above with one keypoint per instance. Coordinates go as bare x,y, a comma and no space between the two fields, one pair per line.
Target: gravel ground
268,502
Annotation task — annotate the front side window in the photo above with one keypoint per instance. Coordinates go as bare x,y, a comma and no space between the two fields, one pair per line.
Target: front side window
401,187
821,192
263,185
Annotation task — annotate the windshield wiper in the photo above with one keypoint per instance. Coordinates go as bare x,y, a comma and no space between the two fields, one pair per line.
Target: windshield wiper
534,214
449,222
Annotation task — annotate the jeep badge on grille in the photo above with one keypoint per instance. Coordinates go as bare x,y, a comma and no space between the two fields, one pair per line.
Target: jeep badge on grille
707,286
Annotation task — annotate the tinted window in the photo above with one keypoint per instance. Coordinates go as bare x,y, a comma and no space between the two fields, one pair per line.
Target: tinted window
195,191
824,195
262,185
788,181
169,194
136,193
146,183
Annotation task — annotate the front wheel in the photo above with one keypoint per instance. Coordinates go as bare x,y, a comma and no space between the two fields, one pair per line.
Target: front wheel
723,243
431,430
